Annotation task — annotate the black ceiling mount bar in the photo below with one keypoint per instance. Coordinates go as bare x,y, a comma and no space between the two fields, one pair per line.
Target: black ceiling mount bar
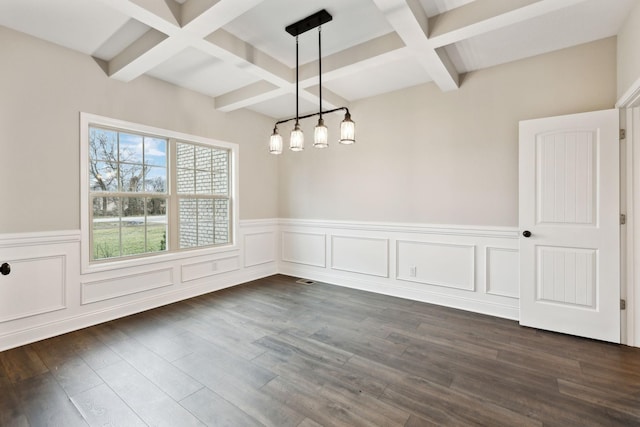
309,23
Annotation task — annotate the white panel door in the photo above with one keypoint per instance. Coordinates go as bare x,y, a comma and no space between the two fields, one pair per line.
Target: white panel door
569,219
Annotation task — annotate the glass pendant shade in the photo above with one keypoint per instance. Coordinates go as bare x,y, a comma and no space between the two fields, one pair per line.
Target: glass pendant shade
320,135
275,142
347,130
297,139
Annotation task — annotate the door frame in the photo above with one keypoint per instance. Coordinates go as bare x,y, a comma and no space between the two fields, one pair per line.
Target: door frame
629,105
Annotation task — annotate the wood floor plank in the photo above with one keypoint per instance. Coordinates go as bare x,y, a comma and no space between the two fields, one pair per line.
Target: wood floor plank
242,393
447,406
92,350
11,410
305,398
22,363
75,376
46,404
148,401
548,406
621,402
163,374
213,410
101,406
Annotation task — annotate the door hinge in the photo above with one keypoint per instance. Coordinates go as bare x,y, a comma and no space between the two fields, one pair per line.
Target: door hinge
623,304
623,134
623,219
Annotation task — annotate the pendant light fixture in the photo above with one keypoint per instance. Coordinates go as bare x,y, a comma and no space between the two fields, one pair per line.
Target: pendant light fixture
321,134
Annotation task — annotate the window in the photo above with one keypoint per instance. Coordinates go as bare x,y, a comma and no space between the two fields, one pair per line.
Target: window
150,191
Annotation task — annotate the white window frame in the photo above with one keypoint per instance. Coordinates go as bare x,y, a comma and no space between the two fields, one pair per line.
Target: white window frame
88,266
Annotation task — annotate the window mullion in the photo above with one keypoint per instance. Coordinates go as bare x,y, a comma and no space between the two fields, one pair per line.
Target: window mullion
172,210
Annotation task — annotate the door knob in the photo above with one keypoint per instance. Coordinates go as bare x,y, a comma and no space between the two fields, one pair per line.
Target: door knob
5,269
526,233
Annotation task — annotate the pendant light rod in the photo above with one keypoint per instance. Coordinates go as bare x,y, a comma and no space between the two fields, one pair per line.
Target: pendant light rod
297,72
345,109
320,67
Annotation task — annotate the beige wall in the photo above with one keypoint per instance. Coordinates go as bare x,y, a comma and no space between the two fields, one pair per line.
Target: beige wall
43,89
425,156
629,52
422,155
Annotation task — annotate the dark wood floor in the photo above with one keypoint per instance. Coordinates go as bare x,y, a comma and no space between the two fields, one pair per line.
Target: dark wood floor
276,353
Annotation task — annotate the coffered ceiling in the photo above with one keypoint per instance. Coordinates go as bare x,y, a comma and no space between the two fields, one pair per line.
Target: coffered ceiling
237,51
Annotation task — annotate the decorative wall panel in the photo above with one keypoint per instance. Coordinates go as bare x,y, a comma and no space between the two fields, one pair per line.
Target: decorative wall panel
502,272
304,248
360,255
449,265
35,285
259,248
114,287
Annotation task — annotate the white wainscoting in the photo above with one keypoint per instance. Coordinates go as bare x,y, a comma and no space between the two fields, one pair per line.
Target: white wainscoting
45,294
471,268
304,248
260,248
363,255
440,264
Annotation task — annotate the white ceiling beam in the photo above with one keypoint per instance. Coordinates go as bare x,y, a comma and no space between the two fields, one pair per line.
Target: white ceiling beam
346,62
213,14
230,48
329,99
152,49
408,19
134,60
483,16
248,95
168,10
149,14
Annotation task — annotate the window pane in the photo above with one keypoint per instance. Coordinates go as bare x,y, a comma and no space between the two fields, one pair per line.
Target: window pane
186,181
133,225
103,145
133,208
205,222
155,151
130,148
221,172
133,237
203,158
106,227
188,223
185,156
156,224
102,177
106,207
155,179
203,182
130,177
222,232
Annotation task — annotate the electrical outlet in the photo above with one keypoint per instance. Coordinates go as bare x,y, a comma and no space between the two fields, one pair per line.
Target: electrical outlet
412,271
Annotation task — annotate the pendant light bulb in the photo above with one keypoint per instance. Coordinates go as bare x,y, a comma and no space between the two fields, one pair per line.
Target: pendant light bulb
297,139
347,130
275,142
320,135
